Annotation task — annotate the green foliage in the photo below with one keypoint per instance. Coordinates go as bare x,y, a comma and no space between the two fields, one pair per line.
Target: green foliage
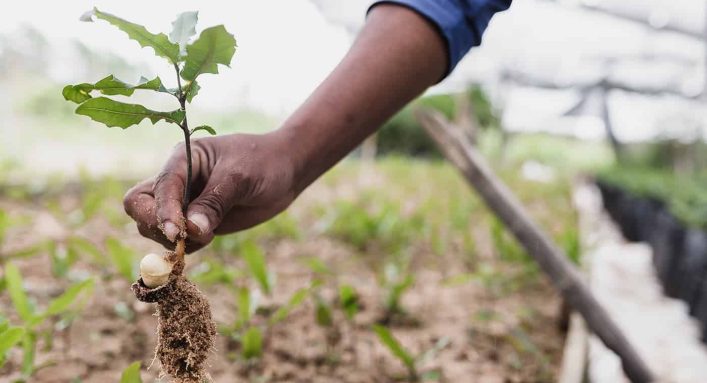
122,258
397,349
505,245
323,313
685,195
404,135
19,298
284,311
62,258
159,42
247,303
411,361
396,281
214,46
9,337
119,114
131,374
371,222
31,318
4,224
205,128
62,302
252,343
257,266
348,299
109,86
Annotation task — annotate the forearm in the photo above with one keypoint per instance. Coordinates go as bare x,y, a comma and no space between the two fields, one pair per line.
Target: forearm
397,55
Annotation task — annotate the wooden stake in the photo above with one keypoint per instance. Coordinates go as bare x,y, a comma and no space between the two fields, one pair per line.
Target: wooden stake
551,259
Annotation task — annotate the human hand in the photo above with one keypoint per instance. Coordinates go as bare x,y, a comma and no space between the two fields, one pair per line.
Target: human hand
238,181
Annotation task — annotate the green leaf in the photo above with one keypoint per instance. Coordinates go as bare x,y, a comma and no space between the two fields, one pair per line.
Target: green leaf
183,28
323,313
62,302
10,337
118,114
131,374
207,128
29,351
317,265
83,246
348,298
255,260
246,307
110,86
252,343
18,296
214,46
192,90
295,300
75,93
386,337
122,257
159,42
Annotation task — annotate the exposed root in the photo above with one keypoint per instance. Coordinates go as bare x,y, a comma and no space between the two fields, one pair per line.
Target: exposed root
185,329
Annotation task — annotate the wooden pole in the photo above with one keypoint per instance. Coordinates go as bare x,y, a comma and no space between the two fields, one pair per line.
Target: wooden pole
551,259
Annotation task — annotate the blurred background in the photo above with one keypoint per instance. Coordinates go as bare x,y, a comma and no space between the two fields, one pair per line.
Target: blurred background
560,93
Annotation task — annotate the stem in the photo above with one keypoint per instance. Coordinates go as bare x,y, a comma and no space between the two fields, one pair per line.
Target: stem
187,142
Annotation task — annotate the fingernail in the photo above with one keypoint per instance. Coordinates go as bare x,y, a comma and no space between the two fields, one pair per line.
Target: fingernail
200,221
171,231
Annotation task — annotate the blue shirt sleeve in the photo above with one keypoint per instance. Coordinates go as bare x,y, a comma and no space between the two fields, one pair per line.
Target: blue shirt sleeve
461,22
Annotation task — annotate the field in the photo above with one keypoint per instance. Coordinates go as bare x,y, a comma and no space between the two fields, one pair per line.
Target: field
385,271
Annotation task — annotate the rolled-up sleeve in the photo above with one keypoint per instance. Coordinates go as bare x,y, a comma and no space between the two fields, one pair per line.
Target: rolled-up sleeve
461,22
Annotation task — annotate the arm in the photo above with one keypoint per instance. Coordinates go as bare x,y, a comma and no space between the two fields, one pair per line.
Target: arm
242,180
382,72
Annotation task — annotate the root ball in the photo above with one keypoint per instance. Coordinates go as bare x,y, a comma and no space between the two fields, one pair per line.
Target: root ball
185,329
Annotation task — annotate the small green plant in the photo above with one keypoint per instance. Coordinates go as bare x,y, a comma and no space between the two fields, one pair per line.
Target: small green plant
131,374
348,301
214,47
411,361
32,318
9,337
257,266
123,258
396,280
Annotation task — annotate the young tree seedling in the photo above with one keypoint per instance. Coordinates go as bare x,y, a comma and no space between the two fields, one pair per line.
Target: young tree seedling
411,361
185,328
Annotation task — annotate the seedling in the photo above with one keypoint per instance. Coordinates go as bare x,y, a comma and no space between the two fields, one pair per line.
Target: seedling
185,327
32,318
411,362
396,280
131,374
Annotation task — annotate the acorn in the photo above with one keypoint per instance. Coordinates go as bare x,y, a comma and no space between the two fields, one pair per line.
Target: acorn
155,270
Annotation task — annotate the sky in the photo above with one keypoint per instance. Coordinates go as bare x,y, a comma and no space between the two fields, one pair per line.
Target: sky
285,48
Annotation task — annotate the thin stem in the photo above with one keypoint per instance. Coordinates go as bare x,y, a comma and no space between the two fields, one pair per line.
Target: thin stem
187,142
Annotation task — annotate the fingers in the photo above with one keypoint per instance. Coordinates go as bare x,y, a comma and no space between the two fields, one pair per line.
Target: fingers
141,206
206,212
168,191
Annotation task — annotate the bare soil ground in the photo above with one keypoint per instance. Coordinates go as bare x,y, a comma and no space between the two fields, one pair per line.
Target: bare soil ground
498,323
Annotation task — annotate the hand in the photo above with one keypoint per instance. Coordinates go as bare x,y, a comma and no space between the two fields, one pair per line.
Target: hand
238,181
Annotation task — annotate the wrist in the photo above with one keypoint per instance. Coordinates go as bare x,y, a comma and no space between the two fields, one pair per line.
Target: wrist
287,145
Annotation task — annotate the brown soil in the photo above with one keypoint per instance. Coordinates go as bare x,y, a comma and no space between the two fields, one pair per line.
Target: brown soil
490,334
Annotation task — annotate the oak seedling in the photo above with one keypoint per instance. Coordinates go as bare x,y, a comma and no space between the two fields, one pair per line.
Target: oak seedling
185,327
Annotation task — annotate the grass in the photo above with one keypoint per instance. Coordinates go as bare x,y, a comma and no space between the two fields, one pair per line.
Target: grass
397,215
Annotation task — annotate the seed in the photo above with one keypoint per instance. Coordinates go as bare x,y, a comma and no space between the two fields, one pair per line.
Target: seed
155,270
